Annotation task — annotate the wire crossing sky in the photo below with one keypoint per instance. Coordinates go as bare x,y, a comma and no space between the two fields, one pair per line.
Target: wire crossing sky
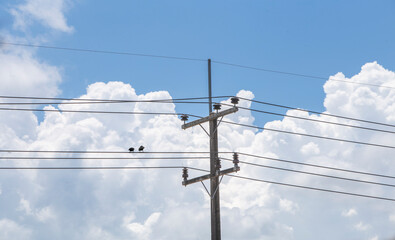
85,84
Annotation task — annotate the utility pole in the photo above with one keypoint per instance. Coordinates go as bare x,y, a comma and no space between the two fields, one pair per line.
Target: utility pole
215,164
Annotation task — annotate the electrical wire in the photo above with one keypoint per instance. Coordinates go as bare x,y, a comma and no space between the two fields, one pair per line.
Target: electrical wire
101,158
96,112
99,152
178,114
192,168
299,75
104,52
318,166
310,135
312,188
189,59
96,102
314,174
313,120
316,112
109,100
84,168
100,168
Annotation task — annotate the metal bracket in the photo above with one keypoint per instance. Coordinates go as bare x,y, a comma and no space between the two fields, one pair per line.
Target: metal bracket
212,116
204,130
212,196
217,187
209,176
215,130
206,189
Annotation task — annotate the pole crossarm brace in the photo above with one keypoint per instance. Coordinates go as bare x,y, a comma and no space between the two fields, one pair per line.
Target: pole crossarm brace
208,176
212,116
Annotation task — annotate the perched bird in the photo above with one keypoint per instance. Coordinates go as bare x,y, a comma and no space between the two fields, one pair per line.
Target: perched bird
141,148
131,149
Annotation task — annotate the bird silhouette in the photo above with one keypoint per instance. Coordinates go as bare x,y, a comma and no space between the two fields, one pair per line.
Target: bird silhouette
141,148
131,149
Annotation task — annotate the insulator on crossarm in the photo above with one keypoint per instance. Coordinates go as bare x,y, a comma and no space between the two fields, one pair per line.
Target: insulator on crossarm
217,106
234,100
185,173
218,163
184,118
236,159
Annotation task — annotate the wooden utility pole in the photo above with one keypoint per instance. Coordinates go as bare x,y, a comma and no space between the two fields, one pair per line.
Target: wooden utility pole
214,161
215,165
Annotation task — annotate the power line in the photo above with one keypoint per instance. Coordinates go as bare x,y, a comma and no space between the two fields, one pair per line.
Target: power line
100,168
318,166
100,152
99,158
313,120
314,174
186,158
190,59
187,59
316,112
298,75
108,100
310,135
96,112
83,168
95,102
104,52
313,188
178,114
181,167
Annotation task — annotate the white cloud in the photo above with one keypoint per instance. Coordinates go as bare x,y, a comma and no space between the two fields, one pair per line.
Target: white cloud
288,206
50,13
153,204
310,149
362,226
12,230
24,205
349,213
143,231
22,74
45,214
42,215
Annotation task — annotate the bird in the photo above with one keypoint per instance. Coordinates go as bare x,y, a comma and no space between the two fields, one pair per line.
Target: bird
131,149
141,148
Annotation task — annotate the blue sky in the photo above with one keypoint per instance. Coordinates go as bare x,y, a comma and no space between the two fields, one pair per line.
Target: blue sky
318,38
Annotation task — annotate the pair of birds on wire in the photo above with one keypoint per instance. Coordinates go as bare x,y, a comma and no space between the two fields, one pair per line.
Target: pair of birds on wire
141,148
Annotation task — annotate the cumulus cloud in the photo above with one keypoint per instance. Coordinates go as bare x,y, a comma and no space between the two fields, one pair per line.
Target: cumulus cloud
143,231
12,230
49,13
349,213
22,74
152,204
41,215
362,226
